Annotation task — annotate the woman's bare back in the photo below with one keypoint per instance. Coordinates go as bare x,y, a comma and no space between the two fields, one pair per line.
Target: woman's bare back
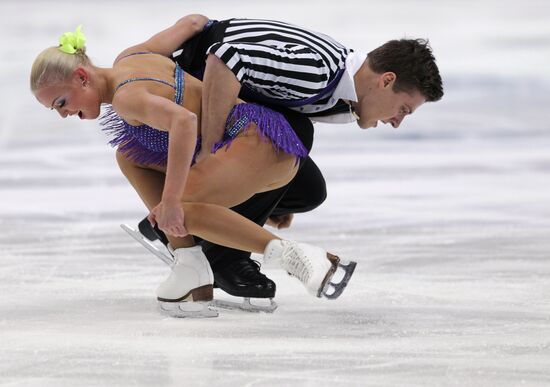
159,67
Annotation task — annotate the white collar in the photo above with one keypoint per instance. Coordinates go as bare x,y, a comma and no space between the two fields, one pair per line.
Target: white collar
346,86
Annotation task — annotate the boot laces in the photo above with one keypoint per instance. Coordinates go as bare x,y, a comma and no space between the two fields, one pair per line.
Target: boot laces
248,268
297,263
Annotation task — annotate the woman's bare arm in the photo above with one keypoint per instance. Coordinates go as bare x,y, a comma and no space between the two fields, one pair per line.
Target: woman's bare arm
137,104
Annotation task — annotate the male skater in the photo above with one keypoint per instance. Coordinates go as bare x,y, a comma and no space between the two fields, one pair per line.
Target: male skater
283,65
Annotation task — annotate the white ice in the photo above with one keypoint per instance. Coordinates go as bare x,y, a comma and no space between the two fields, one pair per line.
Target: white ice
448,217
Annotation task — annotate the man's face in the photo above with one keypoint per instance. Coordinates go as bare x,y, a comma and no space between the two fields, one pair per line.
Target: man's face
380,103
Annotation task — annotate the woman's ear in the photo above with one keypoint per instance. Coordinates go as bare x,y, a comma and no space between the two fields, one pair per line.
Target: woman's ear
81,75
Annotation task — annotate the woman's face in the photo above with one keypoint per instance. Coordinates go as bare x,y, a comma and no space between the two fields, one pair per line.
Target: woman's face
72,97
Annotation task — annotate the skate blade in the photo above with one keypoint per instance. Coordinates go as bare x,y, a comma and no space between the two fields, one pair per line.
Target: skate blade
197,309
338,287
246,306
148,245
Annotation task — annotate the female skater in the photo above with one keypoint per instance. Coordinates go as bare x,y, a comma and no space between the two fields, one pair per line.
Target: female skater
155,112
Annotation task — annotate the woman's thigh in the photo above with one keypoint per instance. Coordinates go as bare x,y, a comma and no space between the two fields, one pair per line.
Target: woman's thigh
234,174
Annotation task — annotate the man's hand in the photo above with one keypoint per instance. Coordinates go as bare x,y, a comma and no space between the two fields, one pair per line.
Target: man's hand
281,221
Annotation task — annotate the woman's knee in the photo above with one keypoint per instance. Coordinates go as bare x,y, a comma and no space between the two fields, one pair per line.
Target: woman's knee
127,165
123,162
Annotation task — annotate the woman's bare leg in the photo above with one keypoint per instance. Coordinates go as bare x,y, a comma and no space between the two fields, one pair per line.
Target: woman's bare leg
227,178
234,174
149,184
225,227
214,223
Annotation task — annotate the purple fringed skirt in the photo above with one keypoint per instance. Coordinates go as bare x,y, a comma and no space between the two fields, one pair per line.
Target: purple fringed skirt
149,146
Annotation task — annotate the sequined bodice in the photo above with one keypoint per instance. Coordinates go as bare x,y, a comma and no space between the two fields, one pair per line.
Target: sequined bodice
151,138
146,145
152,143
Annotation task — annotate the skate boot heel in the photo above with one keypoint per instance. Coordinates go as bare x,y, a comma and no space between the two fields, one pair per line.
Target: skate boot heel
334,261
189,289
203,293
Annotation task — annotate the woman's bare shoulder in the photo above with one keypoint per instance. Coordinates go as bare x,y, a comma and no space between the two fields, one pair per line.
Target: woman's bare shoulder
129,51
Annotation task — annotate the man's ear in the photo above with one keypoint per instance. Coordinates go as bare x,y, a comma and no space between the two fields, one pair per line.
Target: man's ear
387,79
81,75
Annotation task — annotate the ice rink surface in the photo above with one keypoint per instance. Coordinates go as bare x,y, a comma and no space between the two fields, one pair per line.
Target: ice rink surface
448,217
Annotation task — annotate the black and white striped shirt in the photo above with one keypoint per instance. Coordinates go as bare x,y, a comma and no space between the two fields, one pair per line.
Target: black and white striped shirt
282,61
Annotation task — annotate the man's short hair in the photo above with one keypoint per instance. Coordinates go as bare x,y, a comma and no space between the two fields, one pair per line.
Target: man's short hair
413,63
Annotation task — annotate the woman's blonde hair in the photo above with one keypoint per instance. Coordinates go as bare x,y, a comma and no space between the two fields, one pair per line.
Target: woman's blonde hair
53,65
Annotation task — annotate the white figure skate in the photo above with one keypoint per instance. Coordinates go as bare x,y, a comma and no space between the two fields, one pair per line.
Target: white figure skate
162,250
313,266
188,291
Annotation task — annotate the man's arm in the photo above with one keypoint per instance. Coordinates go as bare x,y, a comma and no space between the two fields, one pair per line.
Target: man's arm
171,39
219,94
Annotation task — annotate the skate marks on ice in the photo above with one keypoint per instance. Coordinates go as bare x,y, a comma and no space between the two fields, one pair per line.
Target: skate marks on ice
430,305
452,288
388,338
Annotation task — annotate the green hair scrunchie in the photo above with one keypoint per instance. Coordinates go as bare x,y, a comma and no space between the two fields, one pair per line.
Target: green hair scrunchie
71,42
